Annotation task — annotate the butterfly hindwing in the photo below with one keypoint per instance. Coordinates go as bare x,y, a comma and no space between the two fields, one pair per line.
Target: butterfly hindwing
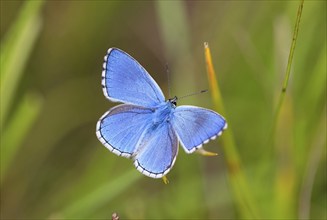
125,80
121,128
158,149
195,126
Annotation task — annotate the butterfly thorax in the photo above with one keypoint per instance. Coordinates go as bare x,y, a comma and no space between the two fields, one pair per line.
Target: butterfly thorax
164,111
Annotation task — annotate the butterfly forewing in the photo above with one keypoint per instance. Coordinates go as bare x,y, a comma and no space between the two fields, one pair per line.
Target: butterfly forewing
125,80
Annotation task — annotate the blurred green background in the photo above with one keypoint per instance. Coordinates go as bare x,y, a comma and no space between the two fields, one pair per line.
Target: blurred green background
53,166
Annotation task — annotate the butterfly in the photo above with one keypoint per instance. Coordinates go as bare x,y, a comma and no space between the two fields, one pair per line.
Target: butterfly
146,127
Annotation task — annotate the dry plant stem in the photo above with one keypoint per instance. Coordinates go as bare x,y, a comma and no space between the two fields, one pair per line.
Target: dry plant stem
242,194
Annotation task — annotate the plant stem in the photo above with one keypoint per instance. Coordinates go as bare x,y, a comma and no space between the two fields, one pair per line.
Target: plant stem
288,69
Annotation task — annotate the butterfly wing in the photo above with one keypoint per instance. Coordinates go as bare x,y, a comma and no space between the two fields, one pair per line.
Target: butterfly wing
158,149
196,126
125,80
121,127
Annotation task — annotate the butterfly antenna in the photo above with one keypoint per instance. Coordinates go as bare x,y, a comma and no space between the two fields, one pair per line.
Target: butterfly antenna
168,78
196,93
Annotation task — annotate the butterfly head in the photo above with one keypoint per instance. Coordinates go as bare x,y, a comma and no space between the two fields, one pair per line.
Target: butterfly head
173,101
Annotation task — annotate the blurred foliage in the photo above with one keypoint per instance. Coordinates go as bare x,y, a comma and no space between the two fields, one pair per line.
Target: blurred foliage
53,166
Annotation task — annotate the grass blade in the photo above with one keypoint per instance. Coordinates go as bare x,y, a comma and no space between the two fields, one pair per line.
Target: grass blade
19,125
99,197
315,156
283,132
288,68
15,50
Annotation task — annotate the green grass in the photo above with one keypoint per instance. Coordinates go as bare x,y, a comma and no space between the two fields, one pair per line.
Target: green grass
15,51
271,161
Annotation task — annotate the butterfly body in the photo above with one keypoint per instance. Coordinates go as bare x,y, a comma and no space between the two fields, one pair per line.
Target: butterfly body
147,128
163,113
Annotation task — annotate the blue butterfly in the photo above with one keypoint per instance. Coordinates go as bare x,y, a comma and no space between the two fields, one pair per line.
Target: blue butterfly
147,128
